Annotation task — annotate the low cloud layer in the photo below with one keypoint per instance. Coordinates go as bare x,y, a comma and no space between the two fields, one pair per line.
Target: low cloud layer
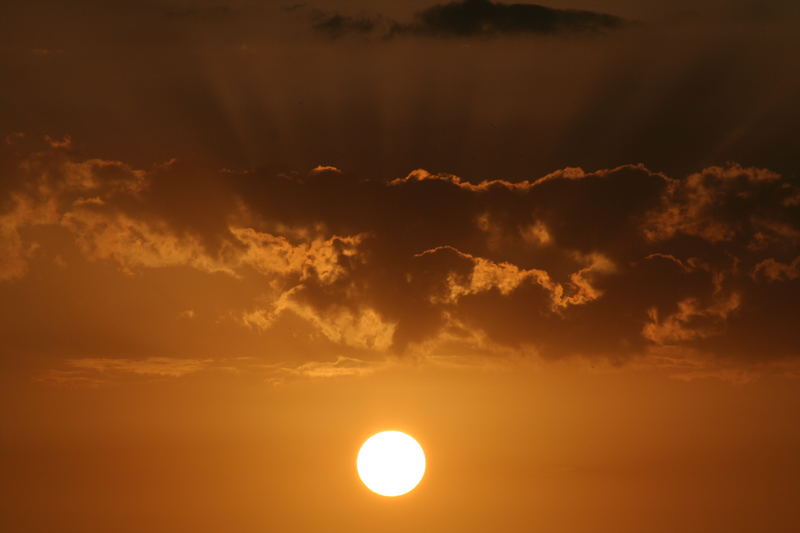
613,264
470,18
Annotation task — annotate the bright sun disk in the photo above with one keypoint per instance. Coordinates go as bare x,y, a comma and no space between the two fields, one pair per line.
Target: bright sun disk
391,463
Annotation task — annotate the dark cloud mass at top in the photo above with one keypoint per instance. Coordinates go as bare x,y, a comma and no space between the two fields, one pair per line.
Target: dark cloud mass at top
484,17
471,18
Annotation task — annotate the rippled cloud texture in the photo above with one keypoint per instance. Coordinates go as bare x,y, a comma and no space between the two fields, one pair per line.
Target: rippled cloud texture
691,272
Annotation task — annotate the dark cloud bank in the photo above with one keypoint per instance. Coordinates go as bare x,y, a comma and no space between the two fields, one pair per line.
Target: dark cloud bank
470,18
613,263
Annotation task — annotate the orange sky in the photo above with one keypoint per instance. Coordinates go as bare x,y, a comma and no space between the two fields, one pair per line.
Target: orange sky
560,248
553,449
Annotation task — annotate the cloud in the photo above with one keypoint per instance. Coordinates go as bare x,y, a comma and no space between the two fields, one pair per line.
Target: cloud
470,18
335,25
14,252
110,371
616,264
317,257
152,366
99,371
341,367
353,327
772,270
690,366
134,244
486,18
504,277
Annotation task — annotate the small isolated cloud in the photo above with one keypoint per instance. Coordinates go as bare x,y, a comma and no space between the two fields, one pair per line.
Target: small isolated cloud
187,314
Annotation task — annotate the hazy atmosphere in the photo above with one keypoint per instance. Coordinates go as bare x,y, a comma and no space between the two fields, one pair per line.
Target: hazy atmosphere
557,244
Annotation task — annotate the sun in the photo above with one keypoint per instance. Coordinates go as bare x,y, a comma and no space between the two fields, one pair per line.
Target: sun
391,463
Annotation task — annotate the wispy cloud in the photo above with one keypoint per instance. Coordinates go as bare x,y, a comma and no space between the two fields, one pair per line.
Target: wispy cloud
98,371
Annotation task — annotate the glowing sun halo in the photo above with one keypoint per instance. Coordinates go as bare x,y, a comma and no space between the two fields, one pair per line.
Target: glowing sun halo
391,463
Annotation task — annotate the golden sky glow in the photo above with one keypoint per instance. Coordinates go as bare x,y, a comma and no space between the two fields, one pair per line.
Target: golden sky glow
557,245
